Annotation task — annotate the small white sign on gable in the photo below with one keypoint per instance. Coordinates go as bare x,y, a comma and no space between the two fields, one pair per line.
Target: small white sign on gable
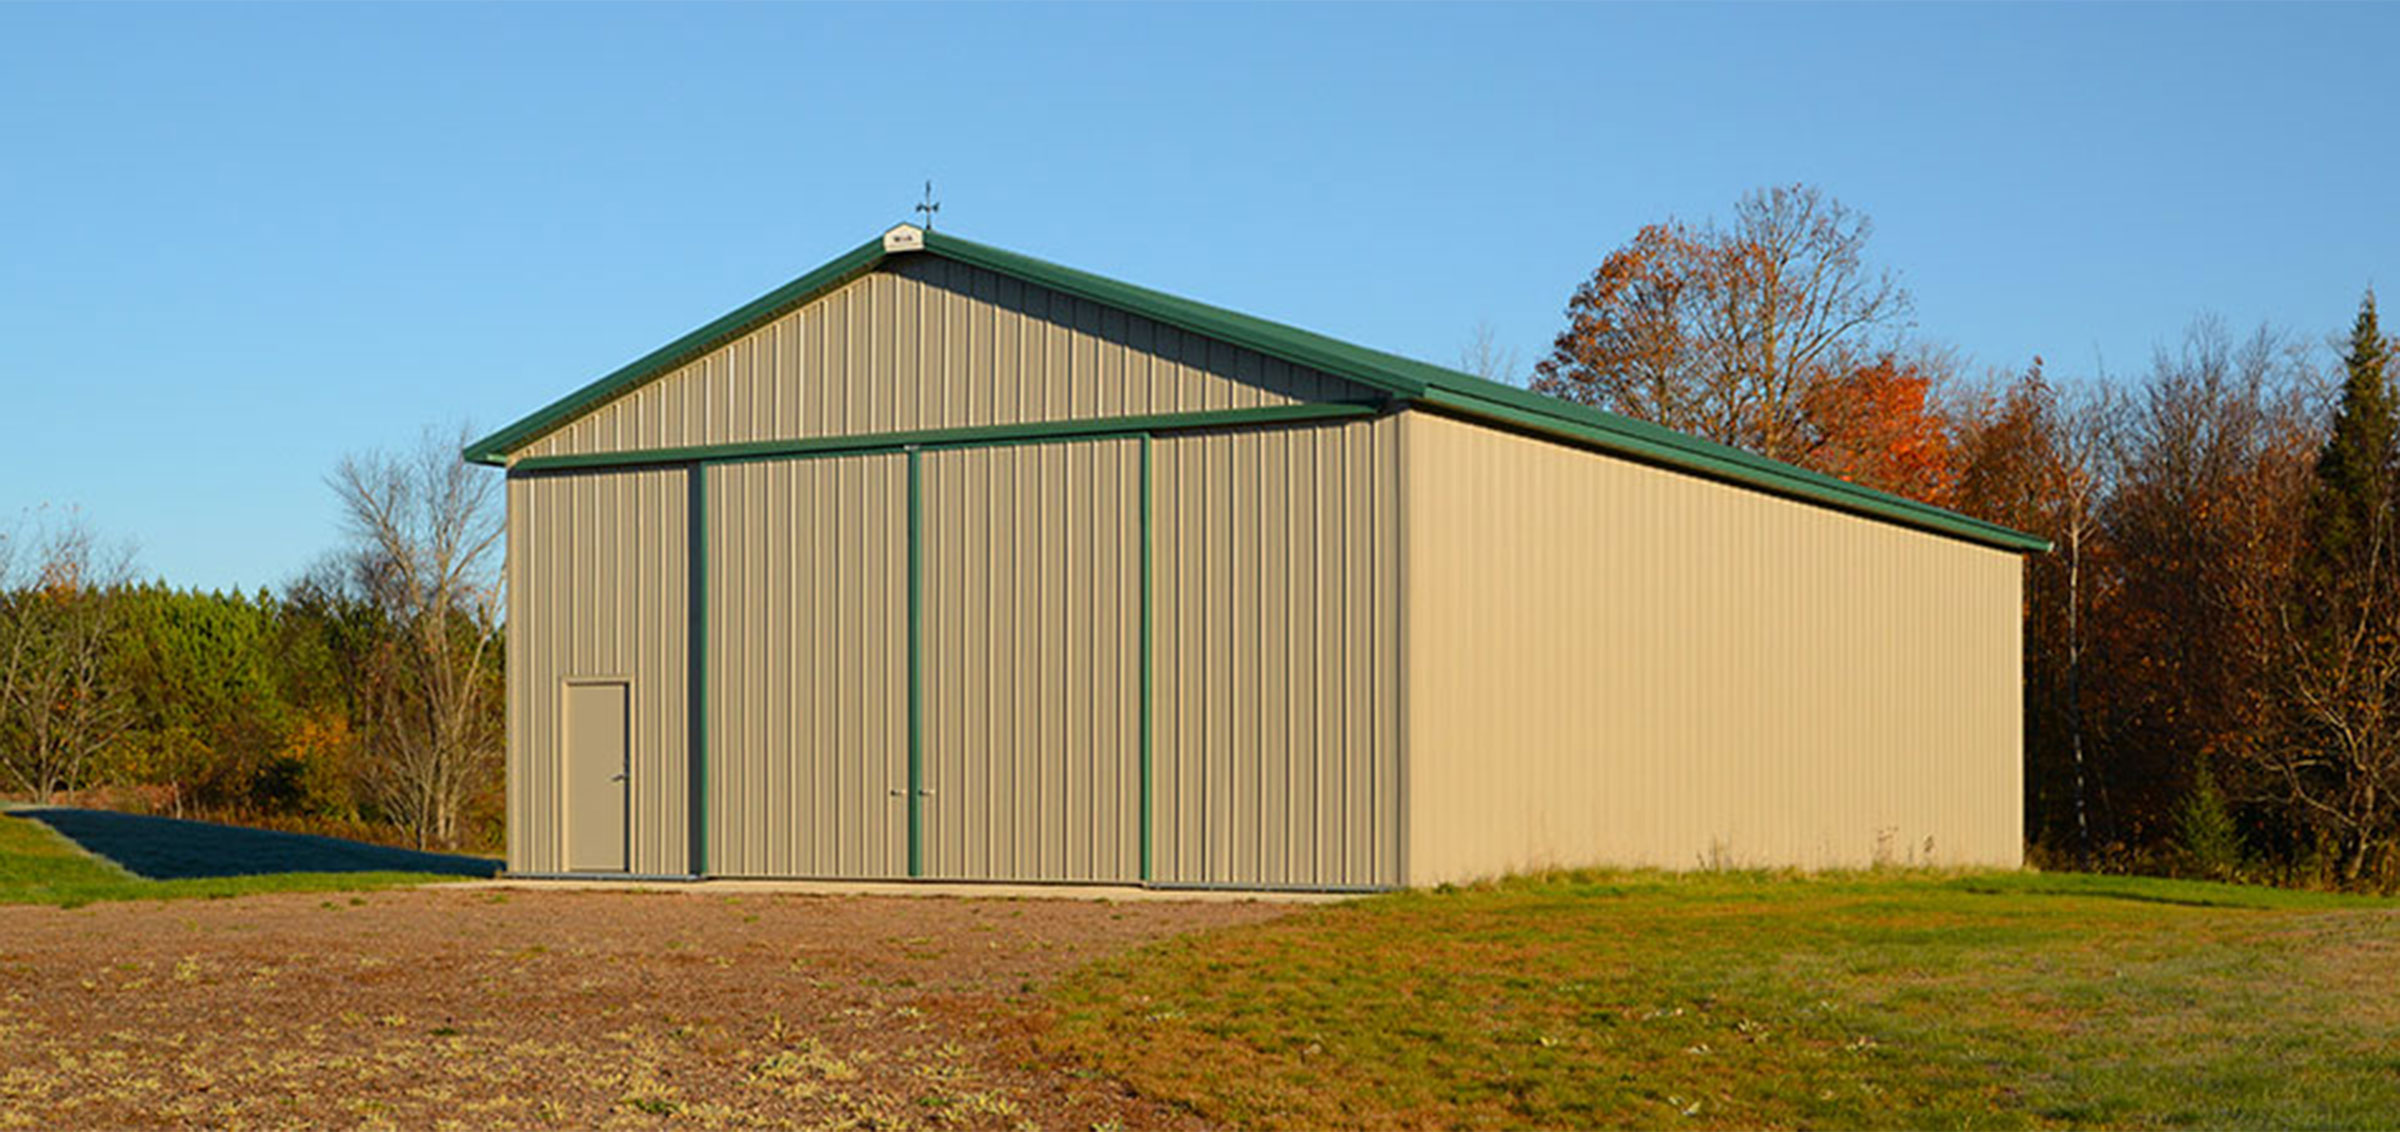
904,238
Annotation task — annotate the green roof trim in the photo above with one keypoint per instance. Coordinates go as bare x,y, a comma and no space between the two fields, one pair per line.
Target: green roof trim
494,449
1404,380
1508,405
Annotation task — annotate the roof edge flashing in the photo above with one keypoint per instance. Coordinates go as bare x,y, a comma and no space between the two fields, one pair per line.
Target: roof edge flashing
1744,469
497,447
1399,379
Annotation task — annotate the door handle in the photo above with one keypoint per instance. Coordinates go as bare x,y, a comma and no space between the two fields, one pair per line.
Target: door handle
618,777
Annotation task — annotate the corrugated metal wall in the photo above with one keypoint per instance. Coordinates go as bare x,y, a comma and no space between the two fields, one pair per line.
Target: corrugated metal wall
926,343
1031,665
1610,663
596,572
1276,656
808,667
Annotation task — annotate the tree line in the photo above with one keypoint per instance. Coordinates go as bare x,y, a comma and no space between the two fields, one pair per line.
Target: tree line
2212,651
363,698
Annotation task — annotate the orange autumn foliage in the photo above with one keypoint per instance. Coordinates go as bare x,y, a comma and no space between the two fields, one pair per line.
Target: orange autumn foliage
1878,426
1772,333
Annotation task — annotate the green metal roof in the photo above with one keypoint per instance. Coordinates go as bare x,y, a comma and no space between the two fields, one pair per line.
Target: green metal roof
1404,380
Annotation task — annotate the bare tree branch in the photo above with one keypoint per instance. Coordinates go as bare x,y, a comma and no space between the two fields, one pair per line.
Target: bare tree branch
425,531
59,708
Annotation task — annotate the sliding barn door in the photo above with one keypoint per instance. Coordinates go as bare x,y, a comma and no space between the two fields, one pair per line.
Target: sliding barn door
1031,607
808,667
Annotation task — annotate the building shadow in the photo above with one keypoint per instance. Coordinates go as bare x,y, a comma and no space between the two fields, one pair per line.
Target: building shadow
172,849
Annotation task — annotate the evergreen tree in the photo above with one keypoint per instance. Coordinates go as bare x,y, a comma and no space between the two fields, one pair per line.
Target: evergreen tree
2339,759
2350,517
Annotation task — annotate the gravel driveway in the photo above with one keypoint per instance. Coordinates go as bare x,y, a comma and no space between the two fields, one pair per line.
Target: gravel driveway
474,1009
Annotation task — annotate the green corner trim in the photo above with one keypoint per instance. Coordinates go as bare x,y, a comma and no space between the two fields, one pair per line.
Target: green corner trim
1035,432
916,666
697,584
1404,380
1143,642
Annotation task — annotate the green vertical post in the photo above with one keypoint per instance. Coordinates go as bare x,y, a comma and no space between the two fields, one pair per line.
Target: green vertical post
1142,723
696,584
916,667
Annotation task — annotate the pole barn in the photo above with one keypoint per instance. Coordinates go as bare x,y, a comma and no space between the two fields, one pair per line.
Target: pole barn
945,562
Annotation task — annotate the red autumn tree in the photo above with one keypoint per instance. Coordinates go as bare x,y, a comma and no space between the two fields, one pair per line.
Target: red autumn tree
1877,425
1772,334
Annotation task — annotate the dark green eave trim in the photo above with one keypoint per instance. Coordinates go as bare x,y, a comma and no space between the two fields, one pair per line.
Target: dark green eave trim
1402,380
1650,443
954,437
494,449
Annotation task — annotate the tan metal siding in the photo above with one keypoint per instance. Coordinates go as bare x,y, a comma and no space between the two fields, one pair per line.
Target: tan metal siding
597,589
1031,609
1614,664
925,343
1276,654
808,656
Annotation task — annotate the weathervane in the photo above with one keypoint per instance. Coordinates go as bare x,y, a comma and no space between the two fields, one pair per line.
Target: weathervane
929,206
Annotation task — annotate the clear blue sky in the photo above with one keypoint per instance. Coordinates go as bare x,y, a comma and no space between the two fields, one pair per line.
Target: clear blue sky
236,243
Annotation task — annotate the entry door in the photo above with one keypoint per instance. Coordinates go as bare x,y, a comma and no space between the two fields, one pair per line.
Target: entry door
1031,608
597,769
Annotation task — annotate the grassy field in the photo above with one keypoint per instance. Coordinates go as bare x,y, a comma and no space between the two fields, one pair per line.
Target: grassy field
1874,1000
37,866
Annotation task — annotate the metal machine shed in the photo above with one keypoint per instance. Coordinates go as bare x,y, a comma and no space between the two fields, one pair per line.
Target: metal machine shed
944,562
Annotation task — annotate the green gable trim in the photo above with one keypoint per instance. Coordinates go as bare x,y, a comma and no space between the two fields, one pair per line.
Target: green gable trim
1404,380
494,449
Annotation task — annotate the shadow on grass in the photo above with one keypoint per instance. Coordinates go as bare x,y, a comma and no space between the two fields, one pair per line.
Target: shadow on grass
2163,890
172,849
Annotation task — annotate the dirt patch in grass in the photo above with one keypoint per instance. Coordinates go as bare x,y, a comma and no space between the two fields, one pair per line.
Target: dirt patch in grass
478,1009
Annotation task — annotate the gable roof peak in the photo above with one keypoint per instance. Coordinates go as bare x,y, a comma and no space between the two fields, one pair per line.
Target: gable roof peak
1400,380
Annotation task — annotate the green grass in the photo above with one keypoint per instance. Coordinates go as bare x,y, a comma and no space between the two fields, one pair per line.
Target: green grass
37,866
1861,1000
